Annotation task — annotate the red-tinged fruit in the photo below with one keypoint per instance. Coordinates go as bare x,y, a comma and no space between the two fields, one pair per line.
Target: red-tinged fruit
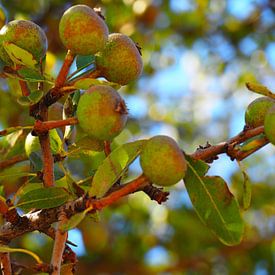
162,161
82,30
26,35
120,61
102,112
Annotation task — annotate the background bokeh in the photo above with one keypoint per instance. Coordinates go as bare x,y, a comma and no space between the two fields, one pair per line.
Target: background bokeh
197,56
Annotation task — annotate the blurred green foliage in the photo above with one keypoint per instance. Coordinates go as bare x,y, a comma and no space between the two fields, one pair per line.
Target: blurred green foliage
197,56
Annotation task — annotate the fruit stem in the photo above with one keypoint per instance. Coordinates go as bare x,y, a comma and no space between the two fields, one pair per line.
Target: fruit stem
24,88
107,148
62,76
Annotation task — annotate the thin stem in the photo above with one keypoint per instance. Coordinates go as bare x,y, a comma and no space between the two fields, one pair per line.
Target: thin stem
59,245
107,148
24,88
62,76
5,264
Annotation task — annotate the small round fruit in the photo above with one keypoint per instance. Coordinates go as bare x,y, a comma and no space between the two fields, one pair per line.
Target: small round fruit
120,61
26,35
83,31
102,112
256,110
3,16
269,124
32,143
162,161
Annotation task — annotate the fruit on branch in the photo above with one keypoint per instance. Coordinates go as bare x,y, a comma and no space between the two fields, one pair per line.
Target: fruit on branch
26,35
120,61
82,30
162,161
256,111
102,112
32,143
269,124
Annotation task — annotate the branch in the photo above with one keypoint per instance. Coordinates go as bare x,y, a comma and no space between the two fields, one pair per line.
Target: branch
5,264
24,88
211,151
62,76
59,245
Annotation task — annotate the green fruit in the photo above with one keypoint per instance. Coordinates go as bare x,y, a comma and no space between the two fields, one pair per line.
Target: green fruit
3,16
269,124
162,161
120,61
101,112
256,111
32,143
82,30
26,35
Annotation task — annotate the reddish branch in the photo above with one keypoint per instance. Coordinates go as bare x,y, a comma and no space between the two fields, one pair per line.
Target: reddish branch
62,76
209,152
24,88
5,264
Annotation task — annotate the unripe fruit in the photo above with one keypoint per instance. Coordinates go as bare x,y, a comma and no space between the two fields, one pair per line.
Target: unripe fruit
83,31
101,112
256,111
3,16
162,161
32,143
120,61
26,35
269,124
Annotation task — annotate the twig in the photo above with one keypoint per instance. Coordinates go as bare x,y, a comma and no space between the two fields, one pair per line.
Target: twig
107,148
62,76
24,88
214,150
45,126
5,264
13,160
59,245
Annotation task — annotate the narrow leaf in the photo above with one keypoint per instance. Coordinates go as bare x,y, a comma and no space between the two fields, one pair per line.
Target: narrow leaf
43,198
16,175
30,75
260,89
13,129
19,55
6,249
214,203
83,61
114,166
247,188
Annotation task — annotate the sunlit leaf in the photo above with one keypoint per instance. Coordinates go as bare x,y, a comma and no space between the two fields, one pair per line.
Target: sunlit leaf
43,198
260,89
214,203
247,188
114,166
19,56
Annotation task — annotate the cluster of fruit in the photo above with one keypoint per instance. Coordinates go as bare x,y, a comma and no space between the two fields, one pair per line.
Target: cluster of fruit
261,112
101,111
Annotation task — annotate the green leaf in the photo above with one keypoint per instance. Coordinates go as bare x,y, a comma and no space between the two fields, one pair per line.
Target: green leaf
74,220
25,188
17,175
214,203
43,198
30,75
13,129
260,89
86,83
247,188
114,166
33,98
90,143
7,249
19,56
83,61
